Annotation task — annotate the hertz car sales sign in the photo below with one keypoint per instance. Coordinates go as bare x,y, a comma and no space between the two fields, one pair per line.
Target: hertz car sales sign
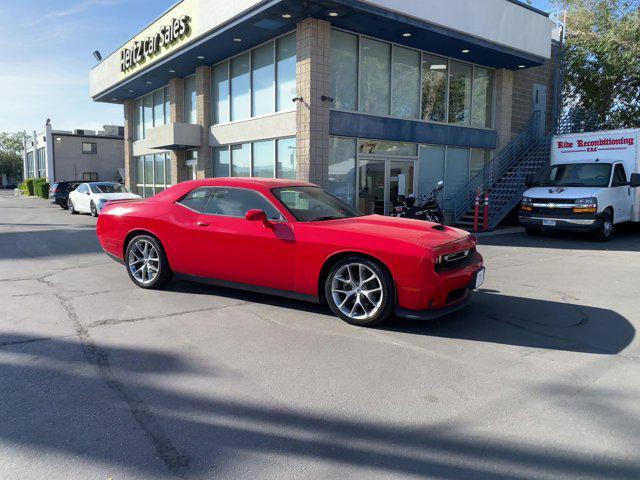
166,36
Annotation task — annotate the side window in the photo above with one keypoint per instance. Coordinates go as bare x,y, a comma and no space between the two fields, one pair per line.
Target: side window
236,202
196,199
82,188
619,176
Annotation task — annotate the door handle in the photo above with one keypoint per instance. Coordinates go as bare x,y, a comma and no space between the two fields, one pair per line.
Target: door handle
202,224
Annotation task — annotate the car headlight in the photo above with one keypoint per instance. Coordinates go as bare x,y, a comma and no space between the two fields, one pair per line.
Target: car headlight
526,204
586,205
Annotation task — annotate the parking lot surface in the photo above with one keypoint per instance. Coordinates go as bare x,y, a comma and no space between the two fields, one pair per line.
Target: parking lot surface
538,378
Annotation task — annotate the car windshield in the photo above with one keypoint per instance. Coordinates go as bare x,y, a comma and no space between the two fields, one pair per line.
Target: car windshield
578,175
107,188
313,204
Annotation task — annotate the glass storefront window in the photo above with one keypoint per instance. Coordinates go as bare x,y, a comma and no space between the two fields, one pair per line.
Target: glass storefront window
405,95
342,169
377,147
375,71
241,160
190,100
158,173
240,87
153,173
286,72
456,174
286,155
158,107
434,88
482,98
150,110
263,76
478,159
460,93
220,93
221,162
344,71
263,159
138,115
147,103
167,105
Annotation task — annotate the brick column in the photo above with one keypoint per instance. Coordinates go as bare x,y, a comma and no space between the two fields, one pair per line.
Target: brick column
129,164
313,79
203,114
176,102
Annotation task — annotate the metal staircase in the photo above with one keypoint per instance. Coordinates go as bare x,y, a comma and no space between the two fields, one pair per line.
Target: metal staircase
504,176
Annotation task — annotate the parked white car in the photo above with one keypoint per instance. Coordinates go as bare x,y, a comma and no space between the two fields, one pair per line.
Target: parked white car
92,197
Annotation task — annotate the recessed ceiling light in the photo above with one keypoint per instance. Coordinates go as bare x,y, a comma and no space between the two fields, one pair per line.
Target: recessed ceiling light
406,34
286,15
237,39
148,82
130,91
114,98
466,50
521,66
333,14
172,71
441,66
200,57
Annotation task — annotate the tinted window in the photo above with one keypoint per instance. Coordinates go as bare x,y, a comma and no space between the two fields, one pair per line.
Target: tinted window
108,188
236,202
312,204
619,176
196,199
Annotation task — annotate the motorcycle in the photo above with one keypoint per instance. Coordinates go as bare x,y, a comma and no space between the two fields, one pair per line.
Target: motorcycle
428,208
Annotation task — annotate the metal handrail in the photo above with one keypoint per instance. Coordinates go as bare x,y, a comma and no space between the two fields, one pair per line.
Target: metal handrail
500,163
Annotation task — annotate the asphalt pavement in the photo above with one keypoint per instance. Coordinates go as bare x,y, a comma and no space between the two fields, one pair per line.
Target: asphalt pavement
538,378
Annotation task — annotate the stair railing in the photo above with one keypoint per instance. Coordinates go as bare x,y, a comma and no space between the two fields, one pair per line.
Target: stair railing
500,163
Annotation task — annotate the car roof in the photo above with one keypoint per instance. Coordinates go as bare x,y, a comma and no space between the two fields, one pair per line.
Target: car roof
248,182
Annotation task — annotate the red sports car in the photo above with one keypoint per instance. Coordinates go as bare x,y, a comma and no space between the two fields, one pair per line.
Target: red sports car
294,239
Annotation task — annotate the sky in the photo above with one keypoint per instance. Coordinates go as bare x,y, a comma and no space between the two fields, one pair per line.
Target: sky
46,54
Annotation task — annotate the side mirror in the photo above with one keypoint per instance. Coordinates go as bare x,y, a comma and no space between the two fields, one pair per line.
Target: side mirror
256,215
528,180
635,180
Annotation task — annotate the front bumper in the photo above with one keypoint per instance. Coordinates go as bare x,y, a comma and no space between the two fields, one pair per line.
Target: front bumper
435,313
551,222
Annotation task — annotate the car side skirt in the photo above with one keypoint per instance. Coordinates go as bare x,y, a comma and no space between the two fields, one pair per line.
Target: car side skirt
113,257
248,287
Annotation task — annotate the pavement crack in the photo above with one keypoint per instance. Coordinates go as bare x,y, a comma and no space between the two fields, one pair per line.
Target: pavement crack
32,340
175,461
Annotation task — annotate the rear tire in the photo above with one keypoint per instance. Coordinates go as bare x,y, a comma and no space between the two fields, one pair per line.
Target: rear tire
606,231
64,205
94,209
360,291
147,262
71,208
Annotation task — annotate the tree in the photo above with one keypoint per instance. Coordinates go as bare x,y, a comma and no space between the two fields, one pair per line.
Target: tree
10,153
602,60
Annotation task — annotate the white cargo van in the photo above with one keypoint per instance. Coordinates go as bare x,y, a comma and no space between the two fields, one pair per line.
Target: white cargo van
590,184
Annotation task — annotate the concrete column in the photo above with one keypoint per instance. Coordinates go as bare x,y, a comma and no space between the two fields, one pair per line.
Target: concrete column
49,154
203,115
313,80
503,106
176,102
129,163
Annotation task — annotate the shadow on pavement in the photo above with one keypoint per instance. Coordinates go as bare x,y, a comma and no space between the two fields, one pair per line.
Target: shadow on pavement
103,413
51,242
626,239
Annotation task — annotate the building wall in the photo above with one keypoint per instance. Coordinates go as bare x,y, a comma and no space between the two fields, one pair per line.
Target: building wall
70,162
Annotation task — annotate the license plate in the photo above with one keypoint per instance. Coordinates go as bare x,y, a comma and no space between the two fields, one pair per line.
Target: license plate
548,223
479,278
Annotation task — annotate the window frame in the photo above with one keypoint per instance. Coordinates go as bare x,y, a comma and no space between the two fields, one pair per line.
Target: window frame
138,102
94,148
422,52
142,184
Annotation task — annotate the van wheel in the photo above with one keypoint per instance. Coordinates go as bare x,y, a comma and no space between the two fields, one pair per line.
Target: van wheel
606,231
360,291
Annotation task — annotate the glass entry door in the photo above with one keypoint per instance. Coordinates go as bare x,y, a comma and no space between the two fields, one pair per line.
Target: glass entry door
381,181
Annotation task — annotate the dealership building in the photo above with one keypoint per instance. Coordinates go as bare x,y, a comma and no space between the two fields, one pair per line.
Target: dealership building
369,99
86,155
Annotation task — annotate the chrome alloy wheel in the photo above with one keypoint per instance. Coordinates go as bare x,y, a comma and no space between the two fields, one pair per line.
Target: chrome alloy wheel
144,262
357,291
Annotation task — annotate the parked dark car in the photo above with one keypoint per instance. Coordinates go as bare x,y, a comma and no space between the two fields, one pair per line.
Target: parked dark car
59,192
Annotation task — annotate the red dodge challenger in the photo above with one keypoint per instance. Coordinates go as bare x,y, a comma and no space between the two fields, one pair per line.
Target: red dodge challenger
293,239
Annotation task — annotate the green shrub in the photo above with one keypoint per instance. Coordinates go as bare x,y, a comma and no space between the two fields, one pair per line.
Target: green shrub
29,184
41,188
23,187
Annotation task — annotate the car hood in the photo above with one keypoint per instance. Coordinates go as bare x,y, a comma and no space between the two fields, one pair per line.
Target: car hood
115,196
425,234
562,193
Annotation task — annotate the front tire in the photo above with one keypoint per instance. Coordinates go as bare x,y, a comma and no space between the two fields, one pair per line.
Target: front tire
72,209
94,209
360,291
605,232
147,263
